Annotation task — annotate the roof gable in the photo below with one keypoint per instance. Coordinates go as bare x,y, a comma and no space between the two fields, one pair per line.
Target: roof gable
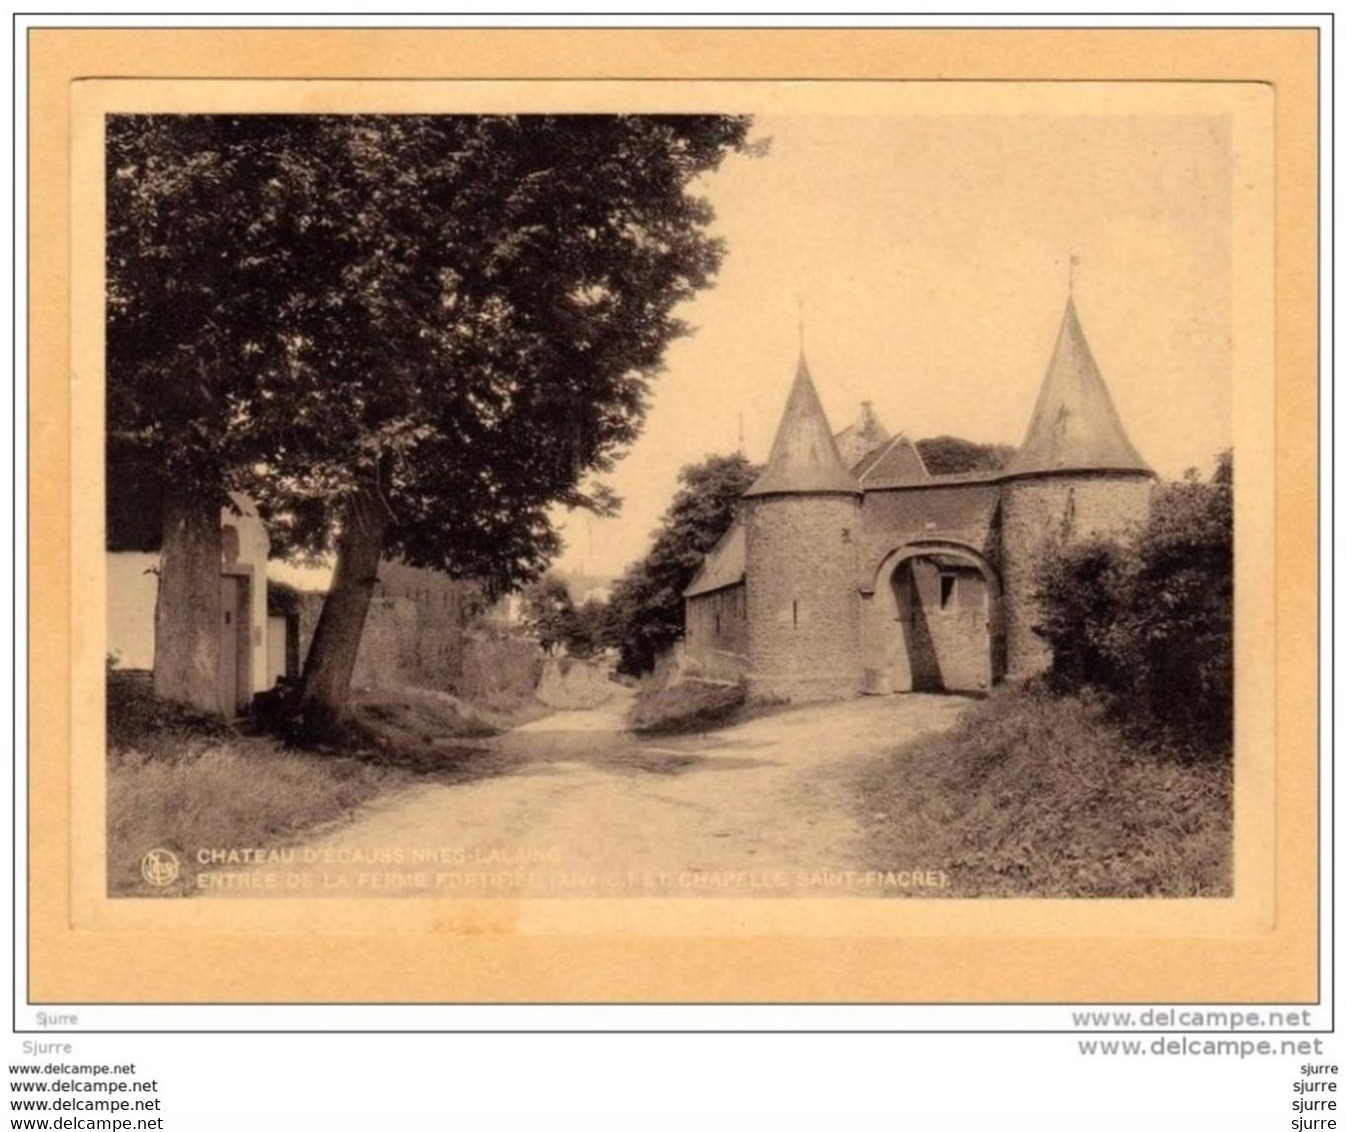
897,463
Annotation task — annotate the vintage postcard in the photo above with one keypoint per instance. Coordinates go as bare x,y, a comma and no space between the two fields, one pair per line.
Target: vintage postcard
687,516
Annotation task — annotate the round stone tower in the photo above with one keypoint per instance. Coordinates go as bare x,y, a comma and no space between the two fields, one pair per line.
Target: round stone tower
1075,476
802,518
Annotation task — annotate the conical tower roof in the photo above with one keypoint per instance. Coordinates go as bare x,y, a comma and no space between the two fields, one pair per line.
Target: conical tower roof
804,457
1075,426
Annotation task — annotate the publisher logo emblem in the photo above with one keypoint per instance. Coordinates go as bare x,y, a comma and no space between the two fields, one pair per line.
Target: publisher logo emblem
159,867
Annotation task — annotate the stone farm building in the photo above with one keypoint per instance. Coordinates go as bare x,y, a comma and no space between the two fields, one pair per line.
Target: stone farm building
419,631
852,569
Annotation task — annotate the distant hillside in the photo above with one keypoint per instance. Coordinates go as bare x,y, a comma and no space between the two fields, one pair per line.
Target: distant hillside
950,455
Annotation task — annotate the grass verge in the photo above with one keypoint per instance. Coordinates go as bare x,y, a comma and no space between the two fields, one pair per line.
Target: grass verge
420,715
1038,795
689,705
236,793
185,783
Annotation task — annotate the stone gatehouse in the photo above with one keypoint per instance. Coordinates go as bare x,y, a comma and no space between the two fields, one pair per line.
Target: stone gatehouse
850,568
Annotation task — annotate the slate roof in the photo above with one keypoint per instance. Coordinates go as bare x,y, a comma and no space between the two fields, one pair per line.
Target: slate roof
1074,425
804,457
723,566
897,464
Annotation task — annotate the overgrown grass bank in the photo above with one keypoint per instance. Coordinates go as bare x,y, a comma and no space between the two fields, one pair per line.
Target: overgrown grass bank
1033,794
243,793
185,783
419,715
689,705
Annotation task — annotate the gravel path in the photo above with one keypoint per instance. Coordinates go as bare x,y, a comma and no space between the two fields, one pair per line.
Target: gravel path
573,805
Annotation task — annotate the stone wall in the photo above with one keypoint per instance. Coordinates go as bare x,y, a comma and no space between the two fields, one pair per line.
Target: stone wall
801,595
1037,513
443,608
388,646
961,513
811,560
946,627
715,637
573,685
915,641
417,631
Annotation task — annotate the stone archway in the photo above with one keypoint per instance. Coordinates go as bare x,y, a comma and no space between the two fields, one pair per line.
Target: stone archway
938,623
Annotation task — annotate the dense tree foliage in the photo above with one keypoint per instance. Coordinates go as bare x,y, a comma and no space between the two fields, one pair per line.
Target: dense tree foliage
190,256
589,628
950,455
551,615
645,612
1149,621
409,335
548,612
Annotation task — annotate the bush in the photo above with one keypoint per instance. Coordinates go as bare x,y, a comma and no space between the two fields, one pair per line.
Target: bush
1037,794
689,705
138,721
1149,622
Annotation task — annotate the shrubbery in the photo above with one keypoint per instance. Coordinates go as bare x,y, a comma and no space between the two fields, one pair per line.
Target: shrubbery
1040,794
689,705
1148,621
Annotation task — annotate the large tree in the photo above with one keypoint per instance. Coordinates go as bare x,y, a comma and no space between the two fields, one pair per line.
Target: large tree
462,318
191,259
645,612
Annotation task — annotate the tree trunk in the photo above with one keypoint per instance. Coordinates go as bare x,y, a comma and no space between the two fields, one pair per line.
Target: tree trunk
187,606
326,683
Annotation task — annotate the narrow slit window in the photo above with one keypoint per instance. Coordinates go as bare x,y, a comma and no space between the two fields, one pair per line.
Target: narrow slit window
946,590
795,614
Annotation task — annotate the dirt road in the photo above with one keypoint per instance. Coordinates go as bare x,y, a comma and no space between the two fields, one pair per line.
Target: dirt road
573,805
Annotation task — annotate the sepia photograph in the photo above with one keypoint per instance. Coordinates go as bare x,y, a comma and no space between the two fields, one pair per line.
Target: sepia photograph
614,516
565,555
670,504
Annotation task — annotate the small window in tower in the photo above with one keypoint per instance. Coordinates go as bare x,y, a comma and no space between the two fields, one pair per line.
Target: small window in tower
717,623
795,614
946,590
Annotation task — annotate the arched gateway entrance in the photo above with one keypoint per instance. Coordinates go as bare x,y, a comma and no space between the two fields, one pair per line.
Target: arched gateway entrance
937,620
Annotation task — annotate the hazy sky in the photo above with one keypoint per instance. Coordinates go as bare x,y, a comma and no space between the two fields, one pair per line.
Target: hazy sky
931,254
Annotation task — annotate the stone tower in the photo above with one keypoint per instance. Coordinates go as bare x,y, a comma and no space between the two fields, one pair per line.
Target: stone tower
1075,475
802,518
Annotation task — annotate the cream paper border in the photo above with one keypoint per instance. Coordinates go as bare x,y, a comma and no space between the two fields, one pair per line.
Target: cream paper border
707,926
